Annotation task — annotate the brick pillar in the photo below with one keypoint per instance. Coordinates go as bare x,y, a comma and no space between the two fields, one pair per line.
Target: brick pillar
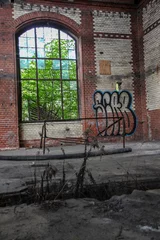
8,104
139,76
88,61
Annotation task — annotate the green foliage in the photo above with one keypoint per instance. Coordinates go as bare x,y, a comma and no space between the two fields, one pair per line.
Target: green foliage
54,94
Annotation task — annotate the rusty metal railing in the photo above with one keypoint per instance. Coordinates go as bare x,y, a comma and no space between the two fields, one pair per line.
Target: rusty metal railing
81,140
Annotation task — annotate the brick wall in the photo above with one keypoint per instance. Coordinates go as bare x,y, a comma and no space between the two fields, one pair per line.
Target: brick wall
56,130
22,9
151,31
112,38
107,34
8,102
68,16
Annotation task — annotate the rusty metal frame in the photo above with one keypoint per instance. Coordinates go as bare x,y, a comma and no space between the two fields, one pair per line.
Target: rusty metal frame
80,140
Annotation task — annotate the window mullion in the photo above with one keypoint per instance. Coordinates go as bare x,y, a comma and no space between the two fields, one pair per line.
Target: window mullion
61,74
38,113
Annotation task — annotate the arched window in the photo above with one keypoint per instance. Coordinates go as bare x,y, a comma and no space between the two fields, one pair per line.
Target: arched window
47,63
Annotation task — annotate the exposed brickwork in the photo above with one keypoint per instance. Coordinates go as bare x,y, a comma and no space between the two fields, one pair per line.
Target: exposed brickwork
30,131
151,31
113,43
151,13
22,9
8,97
56,130
112,22
138,76
105,32
118,52
112,35
154,122
88,59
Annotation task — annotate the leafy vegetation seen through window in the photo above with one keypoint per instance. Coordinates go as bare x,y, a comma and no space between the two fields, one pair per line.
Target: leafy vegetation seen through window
48,75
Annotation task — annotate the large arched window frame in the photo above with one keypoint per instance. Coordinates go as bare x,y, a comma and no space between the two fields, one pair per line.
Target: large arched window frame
47,69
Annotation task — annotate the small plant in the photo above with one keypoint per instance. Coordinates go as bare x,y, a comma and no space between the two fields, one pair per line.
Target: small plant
46,188
42,189
91,142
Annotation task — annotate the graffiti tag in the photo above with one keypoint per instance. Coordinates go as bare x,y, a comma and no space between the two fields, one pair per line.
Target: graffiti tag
113,113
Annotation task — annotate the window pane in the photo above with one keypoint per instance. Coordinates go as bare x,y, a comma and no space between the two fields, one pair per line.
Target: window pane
39,32
44,74
47,32
27,52
71,44
65,74
40,52
64,49
65,64
73,85
71,54
56,74
67,46
31,42
28,68
63,35
56,64
27,44
50,72
29,100
30,33
23,52
41,64
70,101
52,49
50,69
54,33
22,42
23,35
50,100
72,70
69,69
40,42
31,52
24,63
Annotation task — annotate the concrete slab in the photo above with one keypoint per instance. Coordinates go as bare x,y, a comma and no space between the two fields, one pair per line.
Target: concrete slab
142,163
154,191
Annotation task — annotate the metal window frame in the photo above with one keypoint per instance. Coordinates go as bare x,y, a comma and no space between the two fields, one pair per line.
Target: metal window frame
18,58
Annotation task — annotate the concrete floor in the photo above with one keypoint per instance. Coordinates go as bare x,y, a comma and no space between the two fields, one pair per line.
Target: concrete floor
142,163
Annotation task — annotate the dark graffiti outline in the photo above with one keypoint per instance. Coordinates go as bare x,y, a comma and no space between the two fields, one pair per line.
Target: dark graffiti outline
114,105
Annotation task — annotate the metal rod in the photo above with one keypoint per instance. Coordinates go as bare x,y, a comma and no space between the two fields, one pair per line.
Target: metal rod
124,133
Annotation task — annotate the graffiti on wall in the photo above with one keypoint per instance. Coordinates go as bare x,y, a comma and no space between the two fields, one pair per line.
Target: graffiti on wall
114,113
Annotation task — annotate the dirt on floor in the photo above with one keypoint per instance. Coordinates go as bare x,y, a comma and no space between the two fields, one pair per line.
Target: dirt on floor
129,217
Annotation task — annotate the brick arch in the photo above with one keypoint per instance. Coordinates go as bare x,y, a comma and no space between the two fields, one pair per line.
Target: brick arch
34,17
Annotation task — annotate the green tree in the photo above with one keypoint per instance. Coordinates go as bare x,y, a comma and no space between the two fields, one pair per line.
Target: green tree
49,85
